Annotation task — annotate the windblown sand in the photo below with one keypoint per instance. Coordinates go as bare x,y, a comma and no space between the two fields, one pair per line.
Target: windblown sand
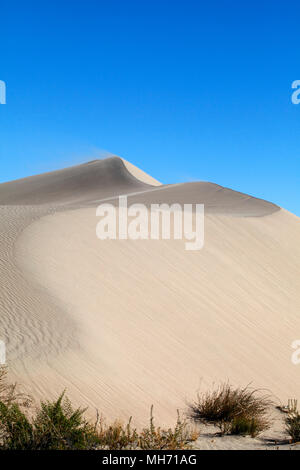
124,324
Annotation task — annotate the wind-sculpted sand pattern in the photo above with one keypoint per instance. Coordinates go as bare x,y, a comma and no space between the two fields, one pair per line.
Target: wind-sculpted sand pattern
29,316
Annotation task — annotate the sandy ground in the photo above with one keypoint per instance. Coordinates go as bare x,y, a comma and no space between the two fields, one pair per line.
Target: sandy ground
274,438
124,324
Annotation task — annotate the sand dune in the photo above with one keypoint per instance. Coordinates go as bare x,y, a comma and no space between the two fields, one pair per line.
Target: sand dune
126,324
81,183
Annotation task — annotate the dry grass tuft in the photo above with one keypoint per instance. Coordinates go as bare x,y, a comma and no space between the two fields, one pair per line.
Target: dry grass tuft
233,410
292,425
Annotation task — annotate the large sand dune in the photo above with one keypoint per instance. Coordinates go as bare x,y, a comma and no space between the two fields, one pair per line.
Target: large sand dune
126,324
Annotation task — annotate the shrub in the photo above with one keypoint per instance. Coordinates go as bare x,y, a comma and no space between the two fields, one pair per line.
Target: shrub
55,426
232,410
292,423
16,432
58,426
242,425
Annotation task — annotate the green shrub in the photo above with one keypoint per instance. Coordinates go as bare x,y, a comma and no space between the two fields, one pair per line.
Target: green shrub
230,408
292,423
16,432
58,426
242,425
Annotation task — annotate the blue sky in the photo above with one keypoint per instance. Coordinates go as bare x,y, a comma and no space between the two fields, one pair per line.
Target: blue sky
186,90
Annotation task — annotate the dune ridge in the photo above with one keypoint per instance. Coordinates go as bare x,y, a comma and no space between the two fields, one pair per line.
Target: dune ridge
80,183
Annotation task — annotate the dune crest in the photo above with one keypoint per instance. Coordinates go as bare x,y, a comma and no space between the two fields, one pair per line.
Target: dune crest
140,175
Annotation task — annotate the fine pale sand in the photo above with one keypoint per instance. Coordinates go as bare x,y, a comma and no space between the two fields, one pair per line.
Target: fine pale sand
124,324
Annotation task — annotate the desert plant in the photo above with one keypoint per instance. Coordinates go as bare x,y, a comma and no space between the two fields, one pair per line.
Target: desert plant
292,425
16,431
243,425
58,426
117,436
54,426
169,439
224,405
292,405
10,393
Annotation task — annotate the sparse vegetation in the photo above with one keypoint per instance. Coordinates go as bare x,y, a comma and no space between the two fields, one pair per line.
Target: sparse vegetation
159,439
292,423
55,425
233,410
119,437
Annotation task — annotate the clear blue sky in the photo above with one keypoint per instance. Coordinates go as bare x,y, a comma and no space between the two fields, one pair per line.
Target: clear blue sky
187,90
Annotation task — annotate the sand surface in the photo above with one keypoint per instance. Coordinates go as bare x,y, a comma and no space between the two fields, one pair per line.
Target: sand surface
124,324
